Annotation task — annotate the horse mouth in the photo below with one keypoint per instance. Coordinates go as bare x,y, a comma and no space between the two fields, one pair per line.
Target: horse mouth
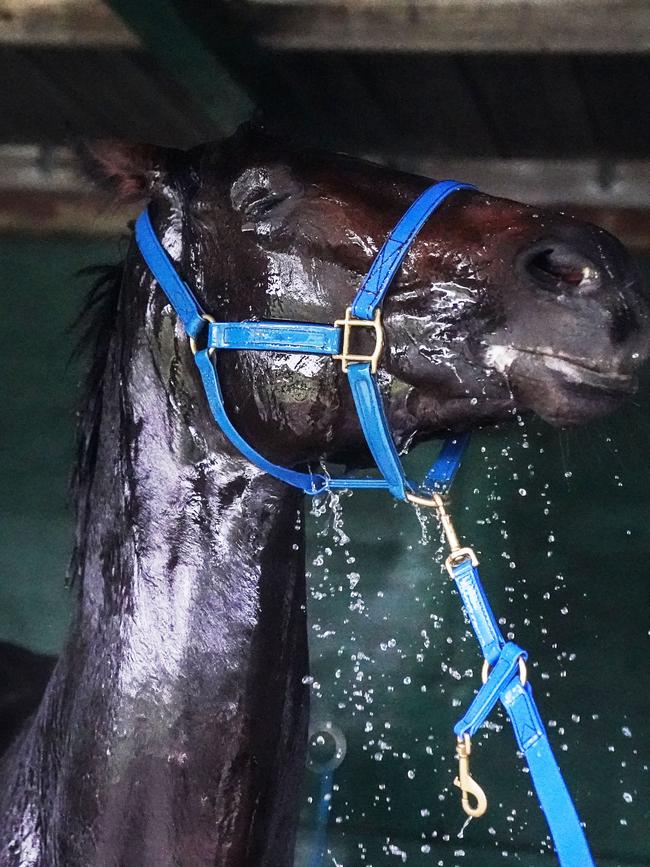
560,388
573,371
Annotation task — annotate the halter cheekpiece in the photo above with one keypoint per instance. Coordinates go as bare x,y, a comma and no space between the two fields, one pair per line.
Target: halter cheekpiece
504,668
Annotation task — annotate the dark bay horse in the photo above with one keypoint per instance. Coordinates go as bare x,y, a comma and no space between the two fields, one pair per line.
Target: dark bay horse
172,732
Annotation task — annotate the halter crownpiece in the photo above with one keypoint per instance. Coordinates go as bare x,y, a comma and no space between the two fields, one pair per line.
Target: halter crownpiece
504,662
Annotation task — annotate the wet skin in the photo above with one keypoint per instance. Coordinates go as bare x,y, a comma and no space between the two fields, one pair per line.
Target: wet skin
173,730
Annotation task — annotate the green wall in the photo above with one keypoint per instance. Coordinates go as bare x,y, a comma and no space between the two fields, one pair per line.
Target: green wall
393,663
41,294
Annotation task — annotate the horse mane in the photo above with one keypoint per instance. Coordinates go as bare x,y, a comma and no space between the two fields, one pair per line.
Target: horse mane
95,327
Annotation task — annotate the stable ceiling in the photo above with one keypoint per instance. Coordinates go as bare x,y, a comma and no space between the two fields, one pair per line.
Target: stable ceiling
546,95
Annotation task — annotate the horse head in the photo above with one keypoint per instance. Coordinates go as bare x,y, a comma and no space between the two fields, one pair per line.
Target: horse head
499,307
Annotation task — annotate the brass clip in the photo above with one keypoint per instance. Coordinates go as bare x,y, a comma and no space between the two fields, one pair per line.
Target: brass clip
467,785
458,552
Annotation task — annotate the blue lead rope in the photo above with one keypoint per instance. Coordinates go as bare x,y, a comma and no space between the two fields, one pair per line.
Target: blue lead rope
504,682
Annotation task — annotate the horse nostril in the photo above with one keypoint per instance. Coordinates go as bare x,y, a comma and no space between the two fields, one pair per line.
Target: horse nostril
560,268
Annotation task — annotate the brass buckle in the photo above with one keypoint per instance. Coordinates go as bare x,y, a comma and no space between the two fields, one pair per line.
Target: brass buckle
350,322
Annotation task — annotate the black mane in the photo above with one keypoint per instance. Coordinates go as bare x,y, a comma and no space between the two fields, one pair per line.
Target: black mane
95,326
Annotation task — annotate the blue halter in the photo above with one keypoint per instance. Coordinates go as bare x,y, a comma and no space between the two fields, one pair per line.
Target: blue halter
504,666
307,338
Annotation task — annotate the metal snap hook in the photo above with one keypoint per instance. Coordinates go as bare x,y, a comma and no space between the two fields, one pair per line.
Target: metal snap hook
468,786
458,553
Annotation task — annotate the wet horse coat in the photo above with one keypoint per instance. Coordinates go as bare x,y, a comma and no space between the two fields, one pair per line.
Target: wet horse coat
173,729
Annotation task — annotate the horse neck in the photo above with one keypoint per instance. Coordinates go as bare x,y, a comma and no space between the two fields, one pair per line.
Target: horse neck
175,521
181,690
181,533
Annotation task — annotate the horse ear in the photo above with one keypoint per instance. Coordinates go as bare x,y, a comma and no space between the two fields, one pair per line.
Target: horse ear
130,171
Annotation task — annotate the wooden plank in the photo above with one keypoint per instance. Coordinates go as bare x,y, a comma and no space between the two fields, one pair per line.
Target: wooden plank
55,95
34,168
42,191
585,182
47,213
537,26
34,107
629,225
616,91
68,23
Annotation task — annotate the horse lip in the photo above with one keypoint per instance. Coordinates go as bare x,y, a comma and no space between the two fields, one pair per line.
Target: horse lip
575,369
590,374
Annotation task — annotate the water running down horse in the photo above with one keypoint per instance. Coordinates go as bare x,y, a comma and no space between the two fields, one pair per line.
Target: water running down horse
173,729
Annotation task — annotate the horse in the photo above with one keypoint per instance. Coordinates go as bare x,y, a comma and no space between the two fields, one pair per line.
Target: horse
173,729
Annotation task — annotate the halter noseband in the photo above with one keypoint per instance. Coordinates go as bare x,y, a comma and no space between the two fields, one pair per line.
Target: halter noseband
504,671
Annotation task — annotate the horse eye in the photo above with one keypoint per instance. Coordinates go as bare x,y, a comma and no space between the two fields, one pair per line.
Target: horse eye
259,190
259,209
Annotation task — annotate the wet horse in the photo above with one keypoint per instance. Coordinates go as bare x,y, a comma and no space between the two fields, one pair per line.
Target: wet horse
173,729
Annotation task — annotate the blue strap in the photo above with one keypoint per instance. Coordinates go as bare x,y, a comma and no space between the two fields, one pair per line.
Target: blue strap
375,428
478,610
506,668
162,268
554,798
373,422
310,483
447,464
504,683
396,246
276,336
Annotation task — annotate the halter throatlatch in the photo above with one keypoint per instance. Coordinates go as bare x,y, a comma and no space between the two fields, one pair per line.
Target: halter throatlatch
504,670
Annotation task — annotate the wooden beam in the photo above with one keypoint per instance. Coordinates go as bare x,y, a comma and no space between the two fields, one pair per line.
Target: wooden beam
584,182
629,225
45,214
42,191
165,31
63,23
521,26
35,168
